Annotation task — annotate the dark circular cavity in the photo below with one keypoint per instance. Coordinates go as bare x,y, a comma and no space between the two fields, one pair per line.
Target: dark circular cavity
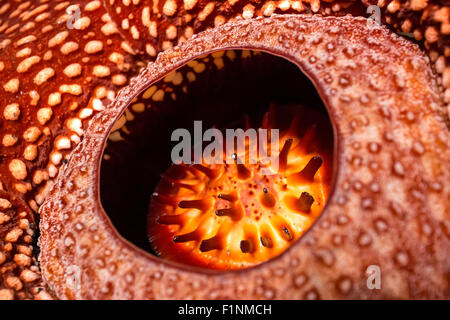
246,85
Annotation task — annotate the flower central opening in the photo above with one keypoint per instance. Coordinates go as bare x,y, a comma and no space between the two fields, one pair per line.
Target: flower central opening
236,215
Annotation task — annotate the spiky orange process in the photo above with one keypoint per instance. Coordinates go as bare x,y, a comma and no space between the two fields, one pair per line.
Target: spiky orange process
232,216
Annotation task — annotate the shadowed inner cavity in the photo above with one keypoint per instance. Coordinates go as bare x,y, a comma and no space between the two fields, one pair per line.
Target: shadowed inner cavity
231,89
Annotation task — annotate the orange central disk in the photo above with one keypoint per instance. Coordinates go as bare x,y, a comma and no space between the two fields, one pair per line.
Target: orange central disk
232,216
